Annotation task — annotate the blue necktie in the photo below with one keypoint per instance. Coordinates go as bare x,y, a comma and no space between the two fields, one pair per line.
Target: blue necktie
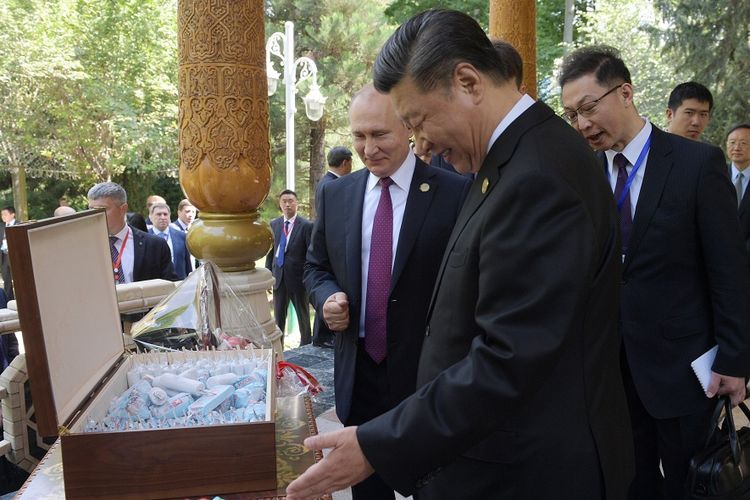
164,236
282,245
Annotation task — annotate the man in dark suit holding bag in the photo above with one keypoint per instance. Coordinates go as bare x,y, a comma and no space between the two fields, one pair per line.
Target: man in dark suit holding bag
685,280
519,390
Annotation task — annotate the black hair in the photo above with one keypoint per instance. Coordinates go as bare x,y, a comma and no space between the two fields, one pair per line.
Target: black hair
9,208
690,90
601,60
737,127
427,48
509,53
288,191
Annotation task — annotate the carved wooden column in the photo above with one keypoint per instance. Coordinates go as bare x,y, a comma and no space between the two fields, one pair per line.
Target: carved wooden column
225,164
515,22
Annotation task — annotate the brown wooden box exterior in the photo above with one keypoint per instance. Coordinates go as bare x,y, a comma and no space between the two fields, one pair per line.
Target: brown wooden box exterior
68,312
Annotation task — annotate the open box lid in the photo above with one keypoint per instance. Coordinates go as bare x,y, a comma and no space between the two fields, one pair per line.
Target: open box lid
67,307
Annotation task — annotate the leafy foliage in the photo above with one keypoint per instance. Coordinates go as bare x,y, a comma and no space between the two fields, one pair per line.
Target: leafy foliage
626,26
342,37
708,43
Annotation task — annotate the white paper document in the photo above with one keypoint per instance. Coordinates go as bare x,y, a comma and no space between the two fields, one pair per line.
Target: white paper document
702,366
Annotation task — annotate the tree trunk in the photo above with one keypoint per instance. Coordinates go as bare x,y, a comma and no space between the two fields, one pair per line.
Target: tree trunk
570,12
20,198
317,158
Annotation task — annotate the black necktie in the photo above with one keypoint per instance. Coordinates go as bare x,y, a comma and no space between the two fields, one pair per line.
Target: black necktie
626,218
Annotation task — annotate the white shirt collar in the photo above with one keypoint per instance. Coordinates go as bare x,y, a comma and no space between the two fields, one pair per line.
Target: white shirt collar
401,177
121,234
291,221
524,103
634,147
736,171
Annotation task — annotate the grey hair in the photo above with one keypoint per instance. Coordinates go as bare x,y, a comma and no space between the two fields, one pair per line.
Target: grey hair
110,190
159,205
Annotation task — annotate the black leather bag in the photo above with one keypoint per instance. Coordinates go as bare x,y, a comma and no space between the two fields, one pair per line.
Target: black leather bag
722,469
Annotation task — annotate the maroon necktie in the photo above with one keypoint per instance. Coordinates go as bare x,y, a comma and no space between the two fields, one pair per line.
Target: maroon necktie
626,218
379,275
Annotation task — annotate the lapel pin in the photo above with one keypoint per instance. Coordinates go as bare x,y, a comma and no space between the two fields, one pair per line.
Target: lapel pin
424,187
485,185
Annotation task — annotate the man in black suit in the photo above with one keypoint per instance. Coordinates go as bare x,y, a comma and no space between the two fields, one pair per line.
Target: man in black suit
689,110
136,255
520,395
286,260
175,238
738,150
356,299
339,165
685,280
8,215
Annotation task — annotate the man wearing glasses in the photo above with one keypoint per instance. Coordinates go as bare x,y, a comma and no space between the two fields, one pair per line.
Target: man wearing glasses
738,150
685,282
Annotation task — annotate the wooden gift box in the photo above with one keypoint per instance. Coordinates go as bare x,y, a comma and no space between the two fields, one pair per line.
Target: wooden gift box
68,311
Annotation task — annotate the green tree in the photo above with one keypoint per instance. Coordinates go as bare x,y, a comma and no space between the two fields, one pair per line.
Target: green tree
708,42
343,37
627,27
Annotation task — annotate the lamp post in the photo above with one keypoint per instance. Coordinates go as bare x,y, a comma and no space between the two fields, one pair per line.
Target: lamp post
282,46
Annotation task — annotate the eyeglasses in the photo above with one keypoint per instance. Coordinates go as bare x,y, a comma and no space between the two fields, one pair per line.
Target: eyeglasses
587,108
737,144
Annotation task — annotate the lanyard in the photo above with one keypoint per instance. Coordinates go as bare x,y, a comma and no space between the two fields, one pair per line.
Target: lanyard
631,177
116,265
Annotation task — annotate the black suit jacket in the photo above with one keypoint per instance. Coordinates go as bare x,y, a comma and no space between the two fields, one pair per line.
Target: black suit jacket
520,387
744,213
328,177
685,279
152,257
335,264
290,274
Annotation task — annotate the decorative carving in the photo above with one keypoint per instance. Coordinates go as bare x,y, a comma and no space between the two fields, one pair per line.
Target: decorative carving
223,106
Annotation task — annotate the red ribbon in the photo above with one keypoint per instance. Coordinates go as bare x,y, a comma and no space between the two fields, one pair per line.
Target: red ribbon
305,377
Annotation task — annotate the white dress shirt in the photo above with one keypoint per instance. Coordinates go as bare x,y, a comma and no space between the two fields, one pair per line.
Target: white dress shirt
524,103
168,239
631,152
288,235
399,191
128,256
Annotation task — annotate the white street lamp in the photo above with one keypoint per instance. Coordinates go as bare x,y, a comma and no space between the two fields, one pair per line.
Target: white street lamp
282,46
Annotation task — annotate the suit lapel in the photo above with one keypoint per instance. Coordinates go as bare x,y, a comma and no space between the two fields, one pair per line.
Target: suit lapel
658,166
295,230
745,203
489,177
352,218
418,200
138,259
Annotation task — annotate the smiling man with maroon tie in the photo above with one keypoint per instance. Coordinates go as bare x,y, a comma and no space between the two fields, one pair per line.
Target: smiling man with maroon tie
374,256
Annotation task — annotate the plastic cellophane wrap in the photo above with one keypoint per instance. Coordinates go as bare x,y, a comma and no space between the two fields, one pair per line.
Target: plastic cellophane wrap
202,313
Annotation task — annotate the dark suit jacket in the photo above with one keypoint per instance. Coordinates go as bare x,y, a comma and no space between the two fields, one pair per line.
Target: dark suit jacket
744,213
520,386
152,257
334,265
328,177
181,261
290,274
685,279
